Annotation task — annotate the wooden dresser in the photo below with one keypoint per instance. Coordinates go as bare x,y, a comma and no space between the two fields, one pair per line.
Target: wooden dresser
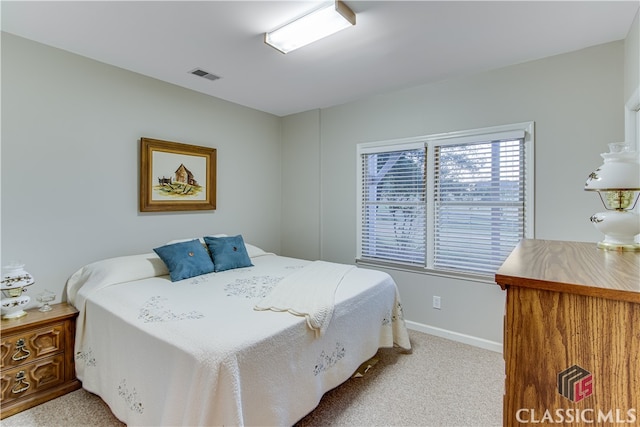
571,335
37,362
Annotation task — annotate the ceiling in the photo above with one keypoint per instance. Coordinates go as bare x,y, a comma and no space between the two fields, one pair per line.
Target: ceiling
394,44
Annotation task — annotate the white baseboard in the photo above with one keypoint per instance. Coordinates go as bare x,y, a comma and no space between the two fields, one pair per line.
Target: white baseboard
455,336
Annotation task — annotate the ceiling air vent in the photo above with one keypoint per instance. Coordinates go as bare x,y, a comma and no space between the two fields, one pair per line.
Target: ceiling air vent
204,74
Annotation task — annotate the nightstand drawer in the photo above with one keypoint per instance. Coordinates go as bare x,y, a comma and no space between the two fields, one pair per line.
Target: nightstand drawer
23,348
33,377
36,356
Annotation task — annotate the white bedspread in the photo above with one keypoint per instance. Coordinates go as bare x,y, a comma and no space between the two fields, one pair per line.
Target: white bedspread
309,292
195,352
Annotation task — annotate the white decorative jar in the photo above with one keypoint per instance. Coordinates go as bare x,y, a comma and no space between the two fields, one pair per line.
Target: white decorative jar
15,279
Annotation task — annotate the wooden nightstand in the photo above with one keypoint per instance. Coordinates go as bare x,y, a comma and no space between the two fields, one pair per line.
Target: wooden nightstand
37,361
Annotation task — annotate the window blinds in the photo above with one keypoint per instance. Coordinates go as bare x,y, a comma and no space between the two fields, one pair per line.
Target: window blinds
456,202
393,206
479,204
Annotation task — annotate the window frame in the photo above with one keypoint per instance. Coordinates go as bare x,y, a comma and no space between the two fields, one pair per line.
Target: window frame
632,120
526,130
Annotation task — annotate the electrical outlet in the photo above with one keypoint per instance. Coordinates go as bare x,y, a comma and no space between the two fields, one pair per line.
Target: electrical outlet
436,302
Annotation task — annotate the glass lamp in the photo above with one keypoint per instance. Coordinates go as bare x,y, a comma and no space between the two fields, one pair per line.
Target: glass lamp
14,282
617,182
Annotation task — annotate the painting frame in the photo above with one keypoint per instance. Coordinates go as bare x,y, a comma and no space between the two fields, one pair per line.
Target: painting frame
176,188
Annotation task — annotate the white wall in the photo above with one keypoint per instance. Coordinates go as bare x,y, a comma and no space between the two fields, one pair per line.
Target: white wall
301,174
70,159
576,102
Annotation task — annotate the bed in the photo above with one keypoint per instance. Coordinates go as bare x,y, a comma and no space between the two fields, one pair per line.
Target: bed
223,348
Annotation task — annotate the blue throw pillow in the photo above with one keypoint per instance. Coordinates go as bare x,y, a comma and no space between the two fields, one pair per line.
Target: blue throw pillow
185,259
228,252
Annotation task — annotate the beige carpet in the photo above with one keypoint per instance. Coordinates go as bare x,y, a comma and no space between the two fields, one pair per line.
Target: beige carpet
442,383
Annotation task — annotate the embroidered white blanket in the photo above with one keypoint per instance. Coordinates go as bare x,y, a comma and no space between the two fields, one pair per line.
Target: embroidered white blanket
309,292
196,353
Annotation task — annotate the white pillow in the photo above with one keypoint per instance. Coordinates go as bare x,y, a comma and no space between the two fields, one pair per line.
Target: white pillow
115,270
252,251
193,238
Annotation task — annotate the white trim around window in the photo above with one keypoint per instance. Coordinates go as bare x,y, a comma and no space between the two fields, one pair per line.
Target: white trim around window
632,120
452,219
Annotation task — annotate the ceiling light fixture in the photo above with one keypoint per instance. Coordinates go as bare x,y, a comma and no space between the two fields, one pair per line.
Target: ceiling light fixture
317,24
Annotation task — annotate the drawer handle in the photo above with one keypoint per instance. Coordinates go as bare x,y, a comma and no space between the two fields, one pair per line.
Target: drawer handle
21,352
21,384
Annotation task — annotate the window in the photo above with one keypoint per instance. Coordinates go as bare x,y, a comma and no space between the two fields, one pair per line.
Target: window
393,205
637,126
632,120
448,203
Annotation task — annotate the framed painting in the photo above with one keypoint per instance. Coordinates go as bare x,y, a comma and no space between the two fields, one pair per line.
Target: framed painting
176,176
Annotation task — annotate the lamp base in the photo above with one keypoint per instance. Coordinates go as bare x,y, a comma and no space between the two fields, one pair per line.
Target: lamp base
15,315
619,228
12,308
635,247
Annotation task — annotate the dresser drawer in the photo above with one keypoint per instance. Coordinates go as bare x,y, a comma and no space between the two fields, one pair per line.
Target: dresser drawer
23,348
31,378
